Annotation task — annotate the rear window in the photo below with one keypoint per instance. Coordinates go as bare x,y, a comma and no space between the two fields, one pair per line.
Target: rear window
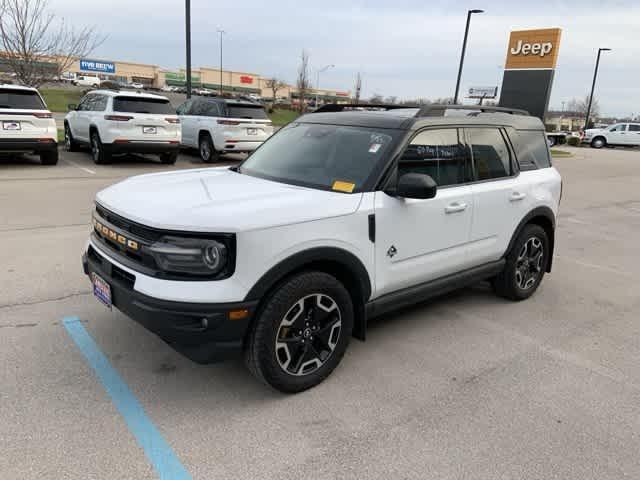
531,149
25,99
142,105
247,111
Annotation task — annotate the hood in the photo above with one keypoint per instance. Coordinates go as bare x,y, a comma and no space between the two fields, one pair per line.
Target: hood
220,200
593,130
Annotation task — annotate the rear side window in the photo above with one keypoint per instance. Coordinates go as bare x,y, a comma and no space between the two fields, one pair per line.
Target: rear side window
205,109
441,154
634,128
531,149
24,99
142,105
491,157
247,111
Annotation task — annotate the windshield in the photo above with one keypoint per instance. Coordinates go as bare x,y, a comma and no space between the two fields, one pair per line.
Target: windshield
247,111
26,99
142,105
329,157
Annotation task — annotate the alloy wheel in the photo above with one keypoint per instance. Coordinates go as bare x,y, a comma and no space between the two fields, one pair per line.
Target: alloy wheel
308,334
529,263
205,150
95,148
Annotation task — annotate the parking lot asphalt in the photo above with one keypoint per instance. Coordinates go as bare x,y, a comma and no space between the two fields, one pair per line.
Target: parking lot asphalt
467,386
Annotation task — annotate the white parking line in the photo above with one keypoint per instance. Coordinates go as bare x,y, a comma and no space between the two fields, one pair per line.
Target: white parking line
88,170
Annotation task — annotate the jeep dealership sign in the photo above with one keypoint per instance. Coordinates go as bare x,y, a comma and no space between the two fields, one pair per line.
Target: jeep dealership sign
533,48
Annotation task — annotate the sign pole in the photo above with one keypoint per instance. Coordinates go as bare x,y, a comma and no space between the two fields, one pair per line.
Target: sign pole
187,8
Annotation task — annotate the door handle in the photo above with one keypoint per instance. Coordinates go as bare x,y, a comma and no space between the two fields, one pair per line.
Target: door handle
455,207
516,196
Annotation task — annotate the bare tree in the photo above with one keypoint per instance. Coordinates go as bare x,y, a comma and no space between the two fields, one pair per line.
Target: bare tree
303,83
275,84
37,46
358,89
392,100
376,98
580,106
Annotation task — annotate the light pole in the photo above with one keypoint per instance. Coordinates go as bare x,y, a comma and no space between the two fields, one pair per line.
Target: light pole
593,86
221,32
464,48
323,69
187,15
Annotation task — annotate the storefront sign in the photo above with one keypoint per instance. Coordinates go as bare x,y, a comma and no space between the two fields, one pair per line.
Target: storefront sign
482,92
246,79
533,48
97,66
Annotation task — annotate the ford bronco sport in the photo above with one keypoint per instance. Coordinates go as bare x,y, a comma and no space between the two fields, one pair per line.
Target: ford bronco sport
340,216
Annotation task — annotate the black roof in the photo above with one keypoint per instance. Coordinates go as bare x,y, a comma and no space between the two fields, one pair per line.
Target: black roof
411,118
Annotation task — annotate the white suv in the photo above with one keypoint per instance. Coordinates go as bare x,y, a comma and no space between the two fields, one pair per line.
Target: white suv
113,122
87,81
217,125
26,125
340,216
625,134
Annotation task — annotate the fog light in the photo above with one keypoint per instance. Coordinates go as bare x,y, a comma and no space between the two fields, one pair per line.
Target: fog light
238,314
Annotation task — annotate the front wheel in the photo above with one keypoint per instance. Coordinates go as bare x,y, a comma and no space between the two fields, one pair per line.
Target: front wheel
598,142
525,264
70,144
301,332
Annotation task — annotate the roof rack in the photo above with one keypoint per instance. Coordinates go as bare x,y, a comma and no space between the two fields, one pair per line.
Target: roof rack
435,110
339,107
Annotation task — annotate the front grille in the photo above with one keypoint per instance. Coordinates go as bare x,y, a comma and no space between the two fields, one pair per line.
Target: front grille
121,276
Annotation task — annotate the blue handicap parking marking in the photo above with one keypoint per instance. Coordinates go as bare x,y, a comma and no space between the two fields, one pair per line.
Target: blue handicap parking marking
155,447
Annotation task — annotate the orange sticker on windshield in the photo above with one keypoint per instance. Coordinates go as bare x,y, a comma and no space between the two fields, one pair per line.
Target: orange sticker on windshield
343,186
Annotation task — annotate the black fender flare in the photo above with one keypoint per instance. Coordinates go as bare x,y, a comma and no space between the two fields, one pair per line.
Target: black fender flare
344,265
544,217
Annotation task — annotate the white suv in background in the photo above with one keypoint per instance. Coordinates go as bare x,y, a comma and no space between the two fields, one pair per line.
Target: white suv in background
113,122
341,216
625,134
26,125
217,125
87,81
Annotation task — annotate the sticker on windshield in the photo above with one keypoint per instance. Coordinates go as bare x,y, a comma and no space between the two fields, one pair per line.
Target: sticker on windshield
341,186
374,148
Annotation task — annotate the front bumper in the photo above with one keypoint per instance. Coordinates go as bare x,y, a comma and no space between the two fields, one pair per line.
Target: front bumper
180,324
27,145
143,147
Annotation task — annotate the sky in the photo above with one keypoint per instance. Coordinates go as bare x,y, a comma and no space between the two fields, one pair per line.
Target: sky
404,48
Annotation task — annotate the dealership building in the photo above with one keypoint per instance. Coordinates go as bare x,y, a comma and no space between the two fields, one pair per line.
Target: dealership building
202,77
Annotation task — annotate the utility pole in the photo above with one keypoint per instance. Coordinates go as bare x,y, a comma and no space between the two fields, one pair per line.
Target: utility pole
358,88
593,86
221,32
464,49
323,69
187,12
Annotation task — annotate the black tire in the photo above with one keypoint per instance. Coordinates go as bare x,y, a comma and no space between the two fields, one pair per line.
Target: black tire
168,158
264,354
598,142
70,144
99,153
49,158
207,150
522,276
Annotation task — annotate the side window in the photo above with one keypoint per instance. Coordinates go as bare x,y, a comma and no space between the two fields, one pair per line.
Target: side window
184,108
100,103
211,110
442,154
531,149
618,128
634,128
491,157
82,106
198,108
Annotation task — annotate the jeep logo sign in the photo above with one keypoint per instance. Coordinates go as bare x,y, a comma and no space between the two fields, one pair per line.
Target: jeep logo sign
533,49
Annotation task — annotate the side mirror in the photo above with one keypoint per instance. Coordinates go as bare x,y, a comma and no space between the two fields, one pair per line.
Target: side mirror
72,106
416,185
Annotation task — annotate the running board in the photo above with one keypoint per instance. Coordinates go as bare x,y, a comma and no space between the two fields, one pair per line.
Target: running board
424,291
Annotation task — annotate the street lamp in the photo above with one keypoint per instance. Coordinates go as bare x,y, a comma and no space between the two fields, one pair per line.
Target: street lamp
593,85
323,69
187,16
221,32
464,48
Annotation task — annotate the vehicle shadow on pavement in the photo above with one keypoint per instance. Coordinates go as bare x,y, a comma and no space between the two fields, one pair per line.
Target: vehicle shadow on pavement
22,160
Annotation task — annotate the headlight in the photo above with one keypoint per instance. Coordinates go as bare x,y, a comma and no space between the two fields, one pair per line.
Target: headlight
192,256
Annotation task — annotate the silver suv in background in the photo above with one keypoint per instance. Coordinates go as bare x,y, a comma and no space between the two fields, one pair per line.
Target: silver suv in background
218,125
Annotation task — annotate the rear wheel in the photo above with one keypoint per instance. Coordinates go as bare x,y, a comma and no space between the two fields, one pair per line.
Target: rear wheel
525,265
70,144
168,158
49,158
208,152
301,332
598,142
98,152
